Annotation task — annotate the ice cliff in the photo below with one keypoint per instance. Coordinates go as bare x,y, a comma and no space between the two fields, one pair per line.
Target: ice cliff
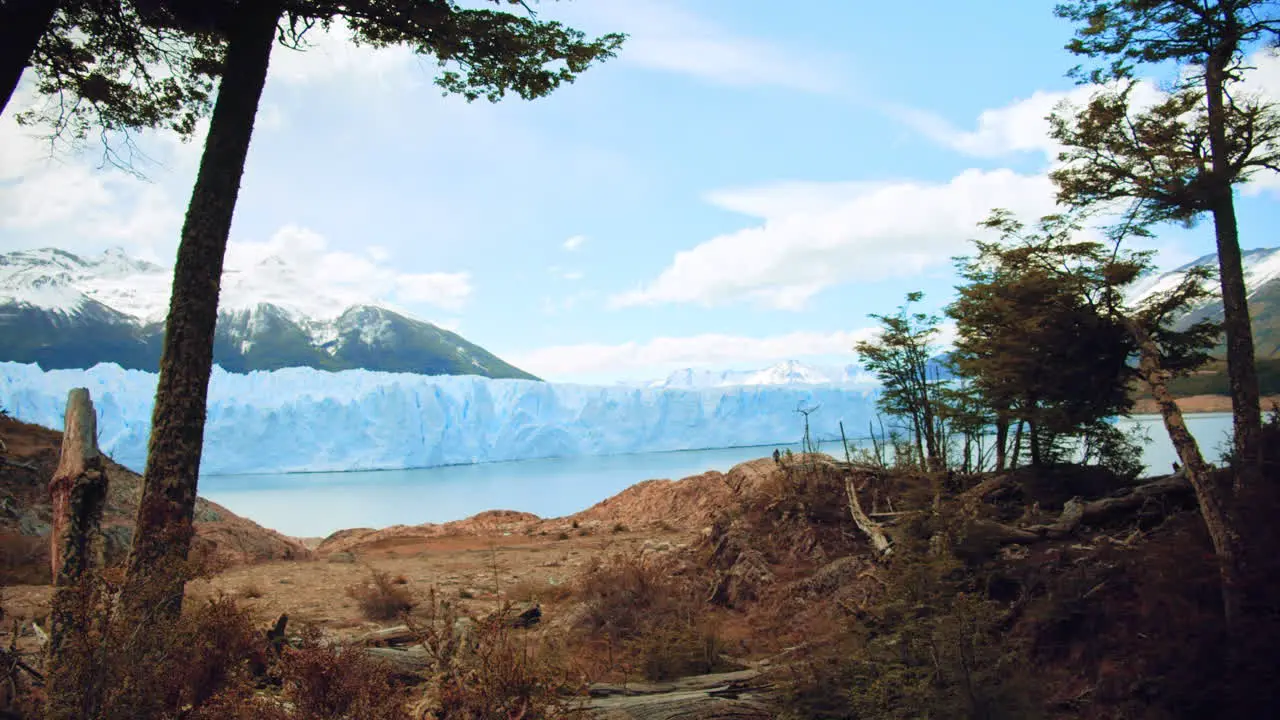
300,419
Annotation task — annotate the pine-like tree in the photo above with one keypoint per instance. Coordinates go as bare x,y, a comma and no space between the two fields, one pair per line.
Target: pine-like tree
1181,158
1032,339
910,388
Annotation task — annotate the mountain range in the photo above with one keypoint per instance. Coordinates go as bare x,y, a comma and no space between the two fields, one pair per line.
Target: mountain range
62,310
787,372
1262,278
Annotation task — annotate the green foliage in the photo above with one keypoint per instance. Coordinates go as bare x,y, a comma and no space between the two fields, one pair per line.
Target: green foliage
899,358
1159,158
130,66
100,65
1128,33
1034,335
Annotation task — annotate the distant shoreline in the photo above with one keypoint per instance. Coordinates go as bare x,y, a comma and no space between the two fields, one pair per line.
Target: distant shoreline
1199,404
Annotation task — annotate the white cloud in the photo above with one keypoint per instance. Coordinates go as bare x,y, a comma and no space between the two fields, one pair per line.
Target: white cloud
574,242
329,57
71,200
660,356
665,36
1020,127
1023,126
296,268
816,235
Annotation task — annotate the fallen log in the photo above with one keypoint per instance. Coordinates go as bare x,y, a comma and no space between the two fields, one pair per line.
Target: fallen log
412,664
1078,512
389,637
872,529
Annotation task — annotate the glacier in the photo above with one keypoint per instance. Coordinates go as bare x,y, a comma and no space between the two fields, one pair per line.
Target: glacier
306,420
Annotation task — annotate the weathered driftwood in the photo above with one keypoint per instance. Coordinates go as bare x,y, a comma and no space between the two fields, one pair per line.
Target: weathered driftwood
872,529
407,663
78,490
874,532
1078,512
723,696
389,637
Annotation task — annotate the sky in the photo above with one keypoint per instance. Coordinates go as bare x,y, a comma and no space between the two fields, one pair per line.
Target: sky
745,183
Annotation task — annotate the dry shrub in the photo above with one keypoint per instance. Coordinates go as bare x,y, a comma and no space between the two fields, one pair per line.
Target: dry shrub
650,617
317,682
381,598
928,647
328,683
538,591
24,559
204,655
488,669
250,591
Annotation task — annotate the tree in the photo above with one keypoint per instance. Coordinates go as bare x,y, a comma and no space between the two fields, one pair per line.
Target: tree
1163,354
1033,340
22,24
899,358
1183,157
100,67
485,53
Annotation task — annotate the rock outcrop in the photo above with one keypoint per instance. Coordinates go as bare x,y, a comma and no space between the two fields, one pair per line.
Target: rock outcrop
27,462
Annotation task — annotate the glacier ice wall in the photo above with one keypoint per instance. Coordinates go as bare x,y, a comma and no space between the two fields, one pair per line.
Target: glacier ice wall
300,419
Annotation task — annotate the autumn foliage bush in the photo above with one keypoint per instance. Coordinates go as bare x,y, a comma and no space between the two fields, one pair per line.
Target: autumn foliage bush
382,598
488,668
649,617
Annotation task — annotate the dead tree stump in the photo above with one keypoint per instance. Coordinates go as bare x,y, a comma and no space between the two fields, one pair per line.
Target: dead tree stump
79,491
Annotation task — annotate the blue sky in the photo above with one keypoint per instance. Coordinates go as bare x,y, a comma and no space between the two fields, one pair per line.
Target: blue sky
743,184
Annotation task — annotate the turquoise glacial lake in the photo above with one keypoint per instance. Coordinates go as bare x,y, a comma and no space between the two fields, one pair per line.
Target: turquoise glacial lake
316,504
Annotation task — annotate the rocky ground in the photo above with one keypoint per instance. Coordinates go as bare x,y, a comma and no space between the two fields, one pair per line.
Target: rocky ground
765,556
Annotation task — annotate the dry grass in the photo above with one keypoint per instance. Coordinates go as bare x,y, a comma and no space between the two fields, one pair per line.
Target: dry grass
538,591
250,591
488,669
649,617
381,598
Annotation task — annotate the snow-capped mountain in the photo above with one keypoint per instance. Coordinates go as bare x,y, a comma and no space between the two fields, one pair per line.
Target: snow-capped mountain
787,372
1262,278
63,310
1261,266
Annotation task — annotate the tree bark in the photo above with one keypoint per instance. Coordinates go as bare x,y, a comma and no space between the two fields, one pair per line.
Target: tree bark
1242,375
873,531
1002,441
22,24
156,567
79,490
1218,518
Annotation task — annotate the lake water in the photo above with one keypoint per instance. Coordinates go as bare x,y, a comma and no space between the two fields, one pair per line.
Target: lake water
316,504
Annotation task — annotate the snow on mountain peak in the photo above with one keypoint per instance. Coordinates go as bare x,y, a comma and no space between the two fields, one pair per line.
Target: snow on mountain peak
787,372
1261,265
61,281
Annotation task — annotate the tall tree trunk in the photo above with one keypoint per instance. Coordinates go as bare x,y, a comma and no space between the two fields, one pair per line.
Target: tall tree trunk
22,24
1218,518
155,572
1016,456
79,490
1033,439
1246,405
1002,440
